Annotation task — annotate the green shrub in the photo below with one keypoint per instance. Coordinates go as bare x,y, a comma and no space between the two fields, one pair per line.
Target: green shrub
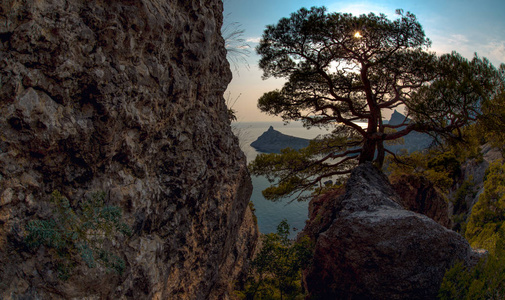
445,162
438,166
462,192
485,229
460,210
456,283
486,281
488,214
74,235
275,273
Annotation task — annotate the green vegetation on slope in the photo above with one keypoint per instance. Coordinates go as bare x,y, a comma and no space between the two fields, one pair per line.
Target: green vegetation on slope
275,273
484,226
488,214
485,281
74,235
438,165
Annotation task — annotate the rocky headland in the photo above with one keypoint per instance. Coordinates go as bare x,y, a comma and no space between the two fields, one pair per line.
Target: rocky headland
125,98
273,141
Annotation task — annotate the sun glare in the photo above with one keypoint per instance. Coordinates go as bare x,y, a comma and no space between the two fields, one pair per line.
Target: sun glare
357,34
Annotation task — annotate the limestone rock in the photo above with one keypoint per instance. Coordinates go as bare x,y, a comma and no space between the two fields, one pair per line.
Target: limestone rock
321,213
124,97
474,171
375,249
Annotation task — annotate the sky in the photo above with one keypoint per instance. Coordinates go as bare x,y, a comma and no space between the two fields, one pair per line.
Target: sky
465,26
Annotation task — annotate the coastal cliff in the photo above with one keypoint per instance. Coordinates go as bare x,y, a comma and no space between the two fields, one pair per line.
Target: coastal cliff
125,98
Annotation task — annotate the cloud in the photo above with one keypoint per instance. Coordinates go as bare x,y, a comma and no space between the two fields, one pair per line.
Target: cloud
457,39
361,8
243,47
454,42
492,49
496,51
443,43
253,40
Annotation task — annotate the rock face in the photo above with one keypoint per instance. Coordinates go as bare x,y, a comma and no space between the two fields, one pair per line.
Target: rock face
418,194
273,141
474,172
374,249
124,97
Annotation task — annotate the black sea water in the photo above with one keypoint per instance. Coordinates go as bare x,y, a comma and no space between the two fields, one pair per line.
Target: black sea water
269,213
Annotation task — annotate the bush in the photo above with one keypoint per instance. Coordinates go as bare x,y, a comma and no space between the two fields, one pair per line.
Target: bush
438,166
460,211
486,281
74,235
275,273
488,214
485,229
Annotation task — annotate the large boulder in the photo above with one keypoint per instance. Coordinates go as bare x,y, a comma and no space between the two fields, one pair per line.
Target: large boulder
375,249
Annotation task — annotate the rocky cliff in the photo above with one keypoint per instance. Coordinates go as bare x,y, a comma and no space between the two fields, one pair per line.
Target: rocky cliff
418,194
123,97
473,171
369,247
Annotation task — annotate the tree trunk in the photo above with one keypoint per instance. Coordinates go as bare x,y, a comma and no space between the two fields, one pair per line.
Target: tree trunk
381,153
368,151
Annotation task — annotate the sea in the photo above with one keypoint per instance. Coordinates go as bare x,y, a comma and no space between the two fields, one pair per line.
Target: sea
270,213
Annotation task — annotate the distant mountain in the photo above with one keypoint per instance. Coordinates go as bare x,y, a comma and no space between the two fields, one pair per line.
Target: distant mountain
272,141
414,141
397,119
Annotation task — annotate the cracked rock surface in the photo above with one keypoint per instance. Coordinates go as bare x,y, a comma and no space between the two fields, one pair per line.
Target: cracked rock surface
124,97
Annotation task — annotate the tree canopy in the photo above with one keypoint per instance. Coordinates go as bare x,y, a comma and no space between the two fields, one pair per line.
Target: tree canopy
343,69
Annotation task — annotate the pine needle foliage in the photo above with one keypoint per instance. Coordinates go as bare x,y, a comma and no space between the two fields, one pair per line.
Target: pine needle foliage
342,70
492,119
294,172
79,234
